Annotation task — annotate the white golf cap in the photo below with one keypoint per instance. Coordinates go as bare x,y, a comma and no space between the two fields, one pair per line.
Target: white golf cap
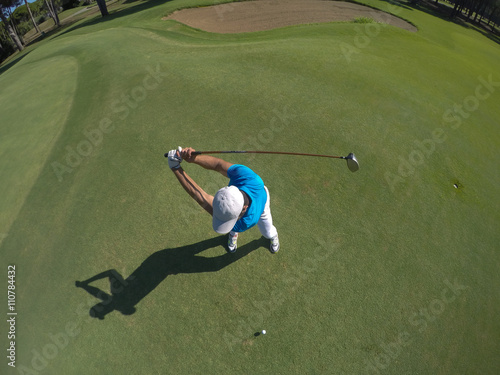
228,203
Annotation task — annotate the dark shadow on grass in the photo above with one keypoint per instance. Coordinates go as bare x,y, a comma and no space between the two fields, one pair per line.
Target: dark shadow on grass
118,13
444,12
13,62
126,293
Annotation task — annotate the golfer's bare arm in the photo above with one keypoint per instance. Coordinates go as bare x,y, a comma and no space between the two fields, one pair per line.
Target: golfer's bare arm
194,190
206,161
204,199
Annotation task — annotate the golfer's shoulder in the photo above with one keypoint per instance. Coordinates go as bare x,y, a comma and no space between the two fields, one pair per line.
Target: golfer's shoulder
238,169
241,170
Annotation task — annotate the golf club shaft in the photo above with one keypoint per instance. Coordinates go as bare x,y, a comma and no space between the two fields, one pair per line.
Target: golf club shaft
267,152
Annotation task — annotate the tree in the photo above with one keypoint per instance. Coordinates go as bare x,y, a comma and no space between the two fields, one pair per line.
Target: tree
457,9
32,18
102,7
495,6
4,7
14,4
6,46
53,11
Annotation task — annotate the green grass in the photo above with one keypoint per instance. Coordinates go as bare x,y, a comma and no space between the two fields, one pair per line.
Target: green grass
363,20
361,263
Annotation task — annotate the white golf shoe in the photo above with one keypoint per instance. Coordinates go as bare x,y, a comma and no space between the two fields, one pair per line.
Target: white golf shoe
232,242
275,244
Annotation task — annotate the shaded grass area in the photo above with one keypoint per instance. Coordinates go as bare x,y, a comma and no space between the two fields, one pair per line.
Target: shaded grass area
366,266
30,127
443,11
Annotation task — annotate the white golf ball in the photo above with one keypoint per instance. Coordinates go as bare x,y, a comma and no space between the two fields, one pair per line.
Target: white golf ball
263,332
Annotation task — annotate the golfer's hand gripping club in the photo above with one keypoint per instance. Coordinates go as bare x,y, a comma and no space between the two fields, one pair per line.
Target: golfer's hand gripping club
174,158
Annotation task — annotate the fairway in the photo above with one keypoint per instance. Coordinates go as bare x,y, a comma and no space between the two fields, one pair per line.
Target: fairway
392,269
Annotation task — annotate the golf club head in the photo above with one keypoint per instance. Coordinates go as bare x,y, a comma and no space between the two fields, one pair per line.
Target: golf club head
352,162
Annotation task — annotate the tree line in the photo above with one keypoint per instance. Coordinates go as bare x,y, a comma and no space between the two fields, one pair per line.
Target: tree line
477,10
14,24
17,17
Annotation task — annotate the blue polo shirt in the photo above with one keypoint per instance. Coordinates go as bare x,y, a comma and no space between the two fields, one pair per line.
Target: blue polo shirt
248,181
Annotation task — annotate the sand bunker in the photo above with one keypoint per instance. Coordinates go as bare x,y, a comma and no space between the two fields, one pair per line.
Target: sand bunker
249,16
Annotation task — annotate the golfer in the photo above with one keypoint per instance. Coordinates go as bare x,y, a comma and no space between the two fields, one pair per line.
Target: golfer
234,208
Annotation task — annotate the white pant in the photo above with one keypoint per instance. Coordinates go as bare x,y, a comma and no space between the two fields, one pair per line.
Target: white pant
265,223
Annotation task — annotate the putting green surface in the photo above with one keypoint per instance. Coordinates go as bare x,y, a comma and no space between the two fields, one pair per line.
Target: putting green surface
389,270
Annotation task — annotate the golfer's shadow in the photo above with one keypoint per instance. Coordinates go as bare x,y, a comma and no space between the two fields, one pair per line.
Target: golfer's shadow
126,293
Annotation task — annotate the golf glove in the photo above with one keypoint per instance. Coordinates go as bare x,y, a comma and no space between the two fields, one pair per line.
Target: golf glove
174,158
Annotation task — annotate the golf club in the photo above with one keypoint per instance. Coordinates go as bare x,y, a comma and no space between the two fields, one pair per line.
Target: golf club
352,162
